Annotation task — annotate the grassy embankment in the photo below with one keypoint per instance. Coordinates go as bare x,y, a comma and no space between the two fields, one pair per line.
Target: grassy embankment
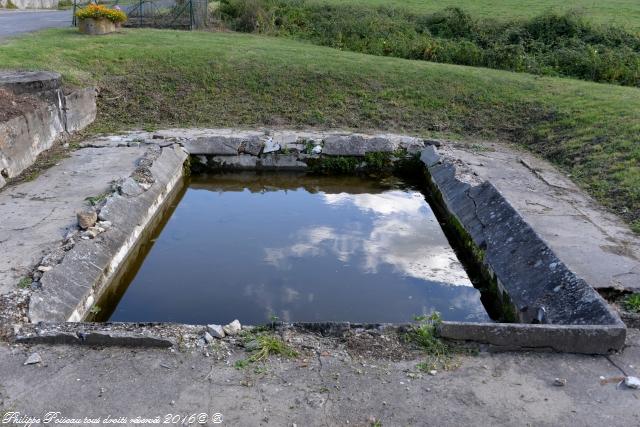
152,78
568,45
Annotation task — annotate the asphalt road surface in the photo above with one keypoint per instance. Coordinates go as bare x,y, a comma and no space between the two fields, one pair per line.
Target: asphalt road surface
18,22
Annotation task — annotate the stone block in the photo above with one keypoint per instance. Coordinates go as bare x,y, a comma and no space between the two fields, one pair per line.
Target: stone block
586,339
80,109
213,145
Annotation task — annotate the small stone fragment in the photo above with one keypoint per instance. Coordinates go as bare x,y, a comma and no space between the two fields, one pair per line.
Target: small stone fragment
232,328
104,224
270,146
433,372
560,382
215,331
33,359
252,345
91,232
632,382
44,268
316,149
87,219
208,338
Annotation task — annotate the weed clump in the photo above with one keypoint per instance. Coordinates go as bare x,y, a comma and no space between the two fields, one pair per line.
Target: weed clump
424,335
632,303
260,344
25,282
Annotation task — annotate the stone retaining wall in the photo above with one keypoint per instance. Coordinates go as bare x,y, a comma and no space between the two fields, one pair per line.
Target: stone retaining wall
54,113
29,4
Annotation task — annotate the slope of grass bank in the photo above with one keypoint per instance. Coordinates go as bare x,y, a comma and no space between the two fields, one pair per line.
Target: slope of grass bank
152,78
548,44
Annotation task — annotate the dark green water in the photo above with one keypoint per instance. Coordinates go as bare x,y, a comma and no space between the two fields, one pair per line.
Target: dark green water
251,246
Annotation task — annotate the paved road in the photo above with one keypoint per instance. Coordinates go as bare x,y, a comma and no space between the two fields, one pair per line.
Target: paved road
18,22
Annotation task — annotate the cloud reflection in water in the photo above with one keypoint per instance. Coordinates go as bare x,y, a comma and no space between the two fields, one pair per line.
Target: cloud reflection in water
403,233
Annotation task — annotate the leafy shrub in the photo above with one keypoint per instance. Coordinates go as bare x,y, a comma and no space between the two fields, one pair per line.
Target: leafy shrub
100,11
549,44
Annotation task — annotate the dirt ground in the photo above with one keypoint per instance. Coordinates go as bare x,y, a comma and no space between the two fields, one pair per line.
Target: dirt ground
331,382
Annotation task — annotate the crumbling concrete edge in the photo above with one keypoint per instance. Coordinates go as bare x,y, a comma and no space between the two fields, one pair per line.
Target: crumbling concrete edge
498,336
584,339
555,308
316,151
57,112
69,290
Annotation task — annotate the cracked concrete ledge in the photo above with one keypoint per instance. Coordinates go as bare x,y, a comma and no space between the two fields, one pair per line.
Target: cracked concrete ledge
70,288
498,337
595,244
530,279
53,113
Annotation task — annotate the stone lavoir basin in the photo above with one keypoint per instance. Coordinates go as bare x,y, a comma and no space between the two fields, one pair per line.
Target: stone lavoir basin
300,248
213,225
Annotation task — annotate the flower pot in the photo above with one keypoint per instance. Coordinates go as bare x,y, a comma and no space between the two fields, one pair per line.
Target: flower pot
96,26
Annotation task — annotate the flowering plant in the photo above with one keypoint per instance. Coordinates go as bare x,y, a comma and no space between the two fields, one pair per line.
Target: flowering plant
101,11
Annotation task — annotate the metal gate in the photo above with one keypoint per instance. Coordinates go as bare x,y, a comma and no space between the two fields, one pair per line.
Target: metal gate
176,14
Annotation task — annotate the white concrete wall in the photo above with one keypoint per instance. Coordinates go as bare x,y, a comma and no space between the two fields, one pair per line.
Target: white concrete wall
30,4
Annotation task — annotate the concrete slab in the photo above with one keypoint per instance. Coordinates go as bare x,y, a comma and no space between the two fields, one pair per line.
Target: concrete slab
592,242
332,382
37,215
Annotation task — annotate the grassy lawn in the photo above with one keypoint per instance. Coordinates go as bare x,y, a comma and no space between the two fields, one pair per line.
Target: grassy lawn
617,12
153,78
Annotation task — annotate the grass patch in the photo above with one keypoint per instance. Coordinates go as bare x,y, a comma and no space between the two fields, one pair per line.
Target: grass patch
260,343
25,282
95,200
156,79
548,44
424,335
65,4
632,303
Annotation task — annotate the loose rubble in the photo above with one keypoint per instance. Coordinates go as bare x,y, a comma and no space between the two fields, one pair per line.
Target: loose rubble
232,328
216,331
632,382
87,219
33,359
560,382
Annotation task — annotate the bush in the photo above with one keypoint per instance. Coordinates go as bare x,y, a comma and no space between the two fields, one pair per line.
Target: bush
99,11
550,44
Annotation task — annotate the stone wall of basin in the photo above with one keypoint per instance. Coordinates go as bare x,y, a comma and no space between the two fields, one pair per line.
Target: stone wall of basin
282,150
54,112
539,289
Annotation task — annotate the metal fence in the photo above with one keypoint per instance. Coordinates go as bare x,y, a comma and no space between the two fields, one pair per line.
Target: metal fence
176,14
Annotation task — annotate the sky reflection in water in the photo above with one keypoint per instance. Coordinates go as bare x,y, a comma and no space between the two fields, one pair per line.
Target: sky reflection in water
326,249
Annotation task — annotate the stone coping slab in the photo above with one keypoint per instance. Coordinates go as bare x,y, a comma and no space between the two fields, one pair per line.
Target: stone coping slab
511,248
69,289
594,243
539,286
499,336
